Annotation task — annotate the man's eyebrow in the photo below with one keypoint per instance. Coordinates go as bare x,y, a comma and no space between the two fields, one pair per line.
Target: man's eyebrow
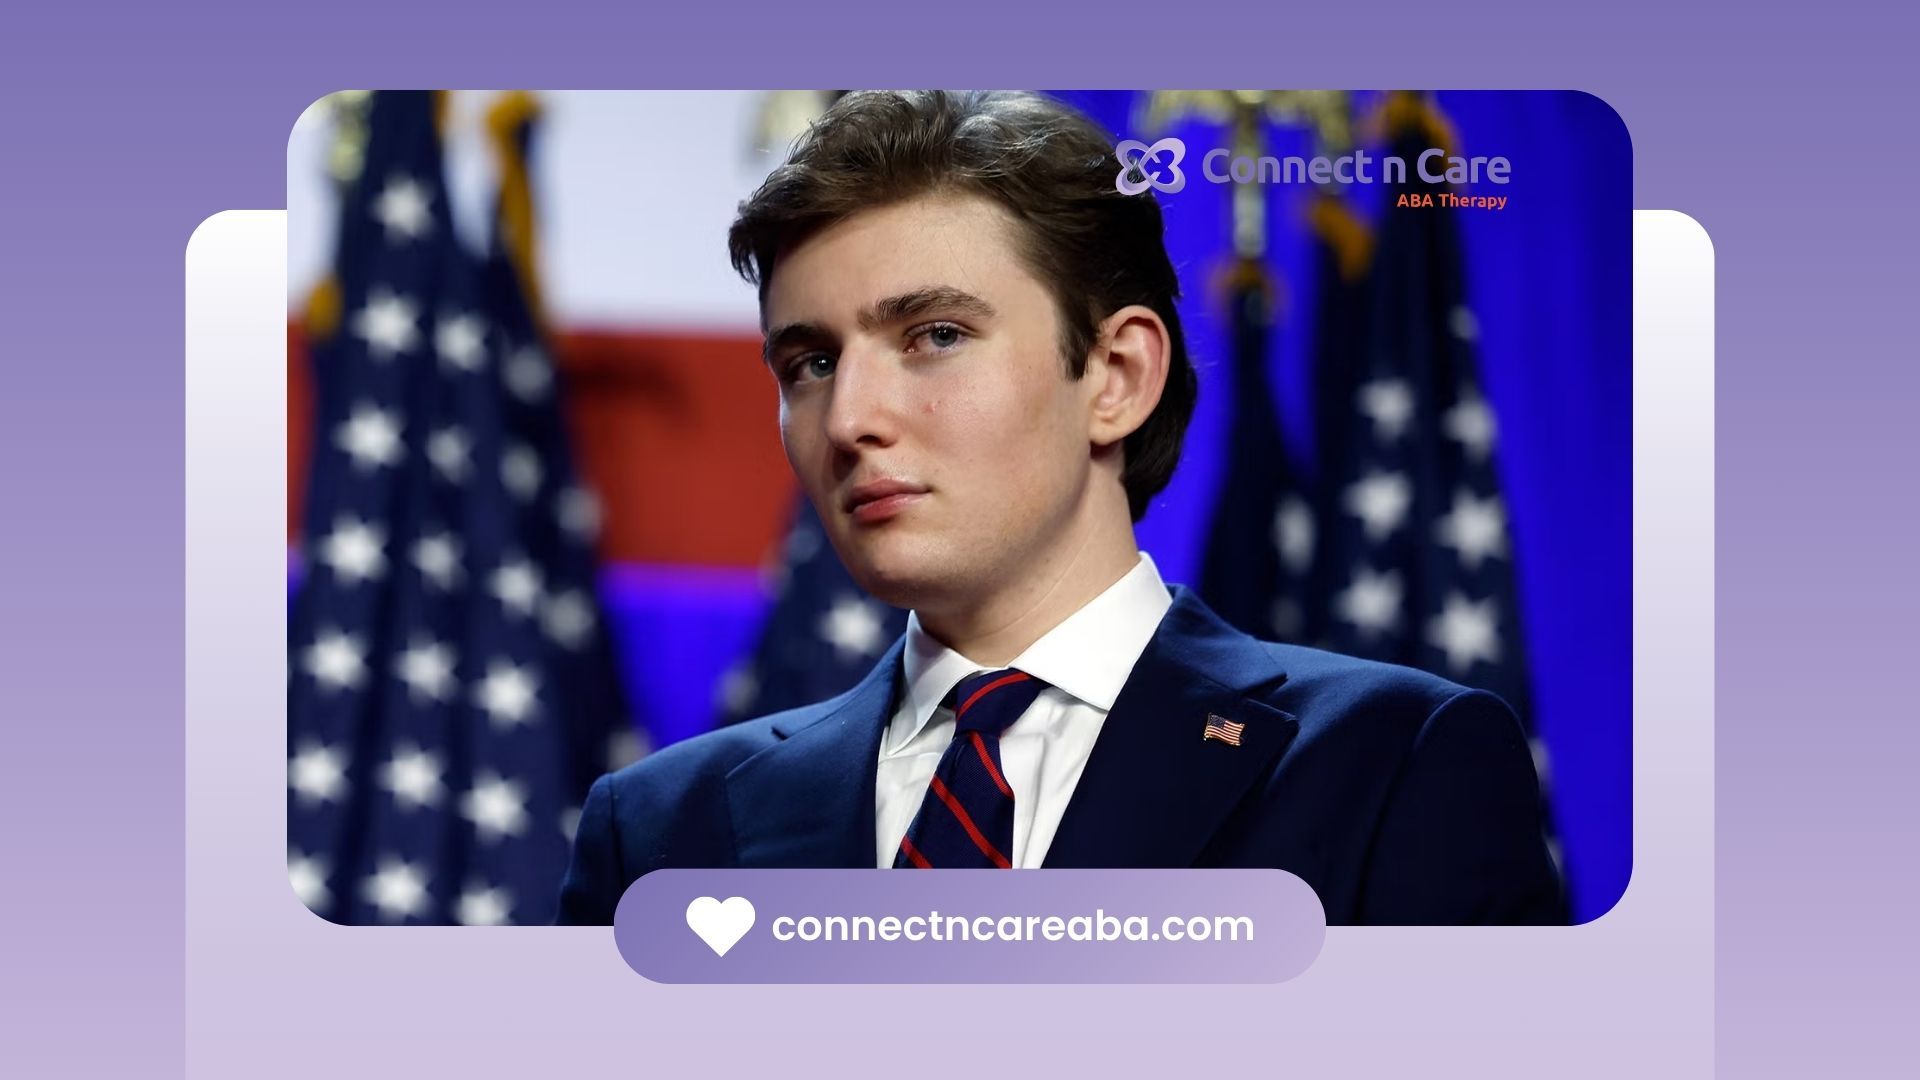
906,305
790,335
921,301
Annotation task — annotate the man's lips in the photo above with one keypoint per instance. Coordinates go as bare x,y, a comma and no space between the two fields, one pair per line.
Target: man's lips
877,500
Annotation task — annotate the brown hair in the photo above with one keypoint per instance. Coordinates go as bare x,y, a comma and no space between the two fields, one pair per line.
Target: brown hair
1052,168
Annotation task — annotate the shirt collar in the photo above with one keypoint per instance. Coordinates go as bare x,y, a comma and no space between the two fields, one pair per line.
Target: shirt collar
1088,655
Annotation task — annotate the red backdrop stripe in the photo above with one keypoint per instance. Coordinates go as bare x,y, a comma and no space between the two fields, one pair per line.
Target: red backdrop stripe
675,432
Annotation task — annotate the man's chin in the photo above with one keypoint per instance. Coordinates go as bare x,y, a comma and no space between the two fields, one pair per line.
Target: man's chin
903,582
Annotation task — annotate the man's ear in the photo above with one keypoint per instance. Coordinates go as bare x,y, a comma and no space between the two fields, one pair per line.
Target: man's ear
1126,372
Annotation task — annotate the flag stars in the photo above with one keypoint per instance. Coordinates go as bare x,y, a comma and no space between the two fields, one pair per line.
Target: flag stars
516,584
397,890
529,374
1463,324
625,746
427,669
404,209
1471,424
308,876
456,803
1371,602
852,627
579,514
738,687
508,694
802,544
461,341
520,471
1389,404
1467,631
336,660
437,557
370,436
1293,534
1381,501
480,905
317,773
1475,528
450,451
389,324
496,806
412,777
355,551
568,619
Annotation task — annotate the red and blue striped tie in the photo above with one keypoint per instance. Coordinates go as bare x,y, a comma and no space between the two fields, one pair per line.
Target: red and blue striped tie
966,820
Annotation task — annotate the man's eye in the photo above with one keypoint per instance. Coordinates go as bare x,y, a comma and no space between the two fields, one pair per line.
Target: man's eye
812,366
941,336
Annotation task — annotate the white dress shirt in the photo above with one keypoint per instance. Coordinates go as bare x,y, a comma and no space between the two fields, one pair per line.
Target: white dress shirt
1084,661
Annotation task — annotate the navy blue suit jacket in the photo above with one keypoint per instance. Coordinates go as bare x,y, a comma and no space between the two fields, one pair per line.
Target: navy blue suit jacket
1400,797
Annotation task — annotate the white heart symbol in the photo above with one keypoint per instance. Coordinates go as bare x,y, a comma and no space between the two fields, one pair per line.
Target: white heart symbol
720,924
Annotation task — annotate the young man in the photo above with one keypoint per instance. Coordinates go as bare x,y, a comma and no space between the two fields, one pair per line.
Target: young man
982,383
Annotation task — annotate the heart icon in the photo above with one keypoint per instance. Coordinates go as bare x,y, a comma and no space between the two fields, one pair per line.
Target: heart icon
721,924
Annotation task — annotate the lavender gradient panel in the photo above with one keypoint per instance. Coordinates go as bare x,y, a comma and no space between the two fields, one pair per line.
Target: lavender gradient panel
142,122
266,975
1067,926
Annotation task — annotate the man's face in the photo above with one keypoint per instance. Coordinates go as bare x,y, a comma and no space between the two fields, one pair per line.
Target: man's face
925,405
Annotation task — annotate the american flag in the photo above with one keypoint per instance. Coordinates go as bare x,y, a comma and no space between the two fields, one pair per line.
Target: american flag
1219,727
1397,548
1257,570
451,688
821,636
1417,542
1264,568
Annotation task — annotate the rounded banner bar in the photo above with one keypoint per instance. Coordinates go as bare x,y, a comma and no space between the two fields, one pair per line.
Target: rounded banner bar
969,926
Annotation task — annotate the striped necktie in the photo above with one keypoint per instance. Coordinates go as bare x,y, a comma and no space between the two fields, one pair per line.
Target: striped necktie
966,819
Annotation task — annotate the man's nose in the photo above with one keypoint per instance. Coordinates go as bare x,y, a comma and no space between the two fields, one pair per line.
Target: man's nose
862,408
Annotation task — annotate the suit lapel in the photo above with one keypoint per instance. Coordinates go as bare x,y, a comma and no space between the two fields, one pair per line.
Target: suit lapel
808,800
1155,790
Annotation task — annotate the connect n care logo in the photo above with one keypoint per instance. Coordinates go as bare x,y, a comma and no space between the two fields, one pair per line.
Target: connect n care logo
1135,157
1453,182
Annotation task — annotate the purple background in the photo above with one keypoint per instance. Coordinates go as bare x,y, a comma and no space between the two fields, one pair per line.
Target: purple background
1289,926
127,128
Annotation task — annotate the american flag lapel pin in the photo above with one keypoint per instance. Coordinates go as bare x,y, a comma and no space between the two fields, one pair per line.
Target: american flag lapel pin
1223,729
